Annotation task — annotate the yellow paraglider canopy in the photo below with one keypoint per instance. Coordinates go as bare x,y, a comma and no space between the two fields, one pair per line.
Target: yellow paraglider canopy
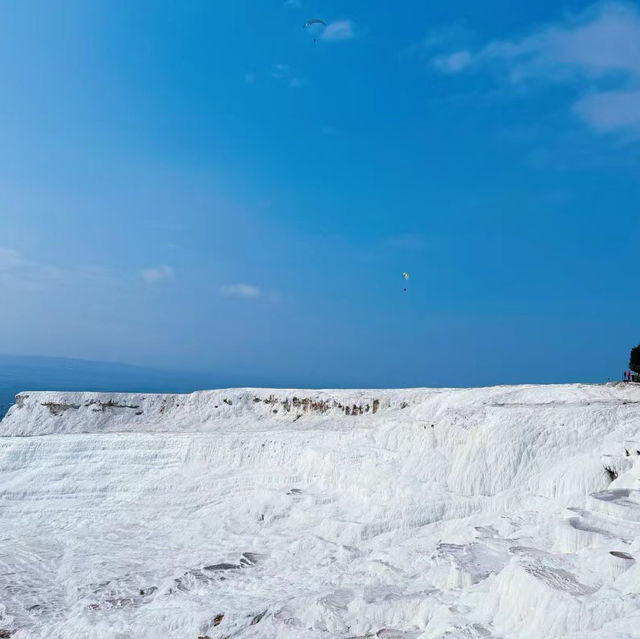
405,275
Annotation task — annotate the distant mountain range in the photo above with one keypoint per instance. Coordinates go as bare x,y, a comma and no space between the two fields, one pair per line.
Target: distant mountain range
18,373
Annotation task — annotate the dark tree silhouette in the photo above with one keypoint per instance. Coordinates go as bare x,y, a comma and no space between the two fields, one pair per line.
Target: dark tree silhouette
634,360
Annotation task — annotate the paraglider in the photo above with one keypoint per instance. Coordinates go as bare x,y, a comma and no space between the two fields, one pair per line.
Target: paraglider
315,26
406,278
308,23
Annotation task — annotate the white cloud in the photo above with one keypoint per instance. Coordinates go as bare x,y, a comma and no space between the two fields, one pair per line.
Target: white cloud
599,42
611,110
453,62
601,45
339,30
19,272
156,274
245,291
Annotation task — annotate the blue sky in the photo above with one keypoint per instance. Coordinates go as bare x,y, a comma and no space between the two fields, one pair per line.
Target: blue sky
200,186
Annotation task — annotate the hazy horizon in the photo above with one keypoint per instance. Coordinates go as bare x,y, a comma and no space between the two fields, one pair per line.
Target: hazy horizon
39,373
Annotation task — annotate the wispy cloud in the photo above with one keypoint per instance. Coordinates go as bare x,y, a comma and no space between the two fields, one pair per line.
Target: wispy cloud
21,273
339,30
444,36
18,273
597,52
283,74
245,291
155,274
281,71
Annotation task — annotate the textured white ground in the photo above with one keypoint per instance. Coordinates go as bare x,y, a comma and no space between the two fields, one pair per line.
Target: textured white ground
259,514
